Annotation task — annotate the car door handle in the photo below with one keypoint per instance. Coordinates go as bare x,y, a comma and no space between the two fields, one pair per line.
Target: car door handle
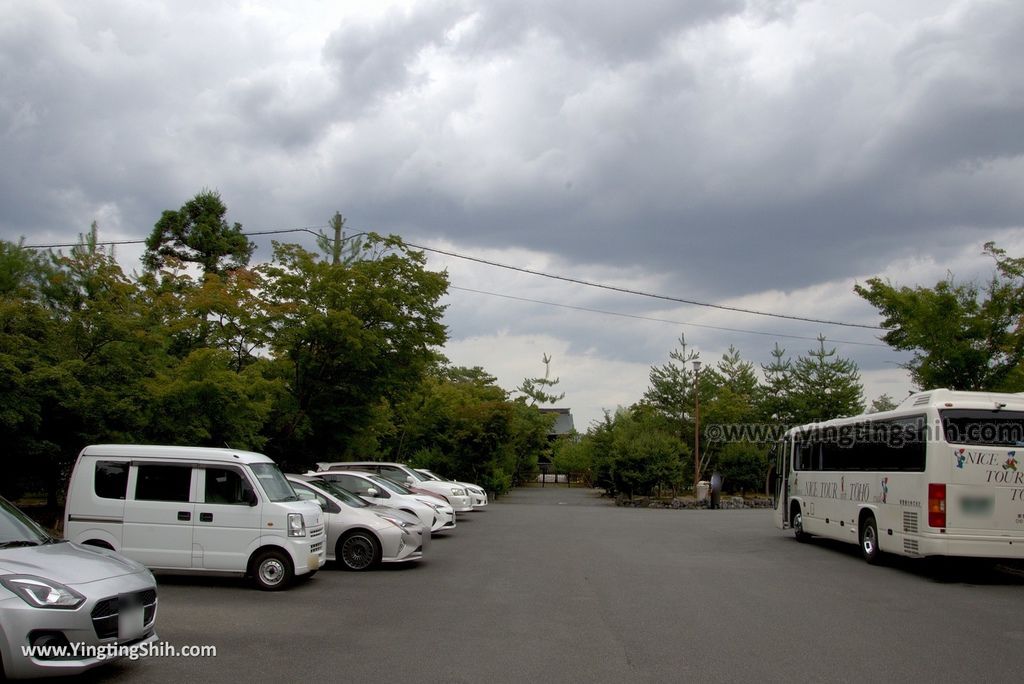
184,515
206,517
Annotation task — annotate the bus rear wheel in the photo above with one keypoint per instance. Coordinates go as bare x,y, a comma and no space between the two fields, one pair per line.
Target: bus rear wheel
798,525
869,540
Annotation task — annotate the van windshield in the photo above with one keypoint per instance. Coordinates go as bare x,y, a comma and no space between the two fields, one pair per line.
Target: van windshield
17,529
273,482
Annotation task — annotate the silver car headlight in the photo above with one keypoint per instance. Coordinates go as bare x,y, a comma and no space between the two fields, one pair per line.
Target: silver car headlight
296,525
40,592
397,522
458,492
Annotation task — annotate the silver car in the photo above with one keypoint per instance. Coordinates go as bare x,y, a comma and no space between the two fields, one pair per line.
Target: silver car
65,608
476,492
360,535
434,513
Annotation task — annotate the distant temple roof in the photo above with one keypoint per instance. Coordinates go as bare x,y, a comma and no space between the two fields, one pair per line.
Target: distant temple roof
563,421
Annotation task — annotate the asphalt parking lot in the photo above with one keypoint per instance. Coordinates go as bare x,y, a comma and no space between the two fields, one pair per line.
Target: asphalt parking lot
559,585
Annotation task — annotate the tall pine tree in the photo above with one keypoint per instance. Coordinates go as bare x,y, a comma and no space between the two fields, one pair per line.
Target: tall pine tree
825,386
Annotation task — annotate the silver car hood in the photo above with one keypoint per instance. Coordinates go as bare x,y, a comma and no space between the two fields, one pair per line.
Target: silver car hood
66,563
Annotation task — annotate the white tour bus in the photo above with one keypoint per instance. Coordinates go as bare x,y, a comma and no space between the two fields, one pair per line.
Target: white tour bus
938,476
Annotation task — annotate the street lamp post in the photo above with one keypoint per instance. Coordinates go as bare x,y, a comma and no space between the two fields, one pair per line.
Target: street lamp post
696,430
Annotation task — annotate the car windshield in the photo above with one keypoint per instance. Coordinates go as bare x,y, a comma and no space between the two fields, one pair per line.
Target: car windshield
17,529
428,474
983,427
390,485
339,493
416,477
273,482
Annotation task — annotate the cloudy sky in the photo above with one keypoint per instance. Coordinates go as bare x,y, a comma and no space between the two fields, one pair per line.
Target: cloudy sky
758,154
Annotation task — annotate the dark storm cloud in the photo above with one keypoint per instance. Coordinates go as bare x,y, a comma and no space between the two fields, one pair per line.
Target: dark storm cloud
373,59
606,31
706,140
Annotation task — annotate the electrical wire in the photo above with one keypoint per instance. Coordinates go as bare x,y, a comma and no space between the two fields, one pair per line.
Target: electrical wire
520,269
616,288
663,320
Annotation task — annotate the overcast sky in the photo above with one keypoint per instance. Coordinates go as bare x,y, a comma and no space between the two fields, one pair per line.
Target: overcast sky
763,155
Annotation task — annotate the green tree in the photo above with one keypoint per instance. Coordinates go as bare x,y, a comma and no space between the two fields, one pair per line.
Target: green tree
537,390
776,394
574,455
198,233
28,334
79,376
350,336
463,425
883,403
733,398
825,386
644,453
205,401
671,390
962,336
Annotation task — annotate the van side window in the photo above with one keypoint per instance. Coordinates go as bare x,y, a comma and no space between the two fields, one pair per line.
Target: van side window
111,479
226,486
163,483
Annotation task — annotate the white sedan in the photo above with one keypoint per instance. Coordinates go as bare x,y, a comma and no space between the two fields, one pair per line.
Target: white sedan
476,492
359,535
433,513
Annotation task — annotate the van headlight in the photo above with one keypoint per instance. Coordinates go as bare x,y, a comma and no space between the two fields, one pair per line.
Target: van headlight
296,525
40,592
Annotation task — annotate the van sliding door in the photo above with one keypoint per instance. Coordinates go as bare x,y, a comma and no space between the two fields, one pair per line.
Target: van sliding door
158,515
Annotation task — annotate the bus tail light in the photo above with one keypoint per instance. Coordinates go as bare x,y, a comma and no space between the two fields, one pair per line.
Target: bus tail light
936,505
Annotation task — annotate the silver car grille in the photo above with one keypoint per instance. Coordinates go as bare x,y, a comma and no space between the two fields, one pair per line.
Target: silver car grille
105,614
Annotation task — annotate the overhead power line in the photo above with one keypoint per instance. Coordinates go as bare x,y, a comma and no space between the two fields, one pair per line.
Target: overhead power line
664,320
567,279
616,288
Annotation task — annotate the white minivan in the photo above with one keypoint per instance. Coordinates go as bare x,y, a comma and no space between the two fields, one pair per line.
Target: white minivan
194,510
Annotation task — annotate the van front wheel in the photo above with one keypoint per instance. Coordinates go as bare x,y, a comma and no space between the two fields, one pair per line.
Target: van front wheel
272,570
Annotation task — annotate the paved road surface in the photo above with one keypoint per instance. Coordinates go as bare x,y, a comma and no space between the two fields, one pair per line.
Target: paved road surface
559,585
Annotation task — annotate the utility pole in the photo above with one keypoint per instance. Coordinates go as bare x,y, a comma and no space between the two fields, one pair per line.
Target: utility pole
338,224
696,431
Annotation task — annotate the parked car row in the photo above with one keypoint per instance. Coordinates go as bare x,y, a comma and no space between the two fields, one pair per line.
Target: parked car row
133,509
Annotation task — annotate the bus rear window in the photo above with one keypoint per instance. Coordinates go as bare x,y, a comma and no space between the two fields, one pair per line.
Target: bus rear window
983,427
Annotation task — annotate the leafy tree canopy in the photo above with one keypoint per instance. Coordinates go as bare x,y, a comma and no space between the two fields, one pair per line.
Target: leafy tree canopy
963,335
198,233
